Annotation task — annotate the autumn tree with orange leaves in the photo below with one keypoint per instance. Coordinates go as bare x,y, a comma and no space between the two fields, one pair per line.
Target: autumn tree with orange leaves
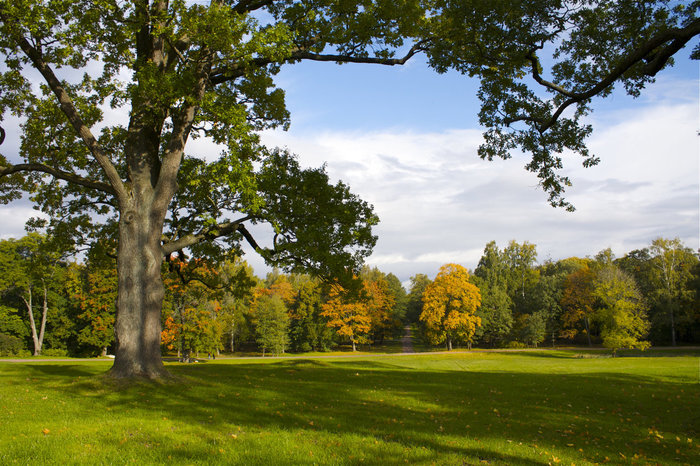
350,318
192,307
379,302
95,294
449,307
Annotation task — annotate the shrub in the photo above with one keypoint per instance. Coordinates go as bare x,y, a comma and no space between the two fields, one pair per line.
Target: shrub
55,352
516,345
10,346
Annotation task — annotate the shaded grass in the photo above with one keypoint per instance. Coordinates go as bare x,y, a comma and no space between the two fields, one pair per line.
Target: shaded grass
466,408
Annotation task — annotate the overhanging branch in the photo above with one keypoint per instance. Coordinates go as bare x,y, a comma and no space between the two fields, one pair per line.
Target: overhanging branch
245,6
340,58
208,234
61,175
248,237
221,76
535,64
656,51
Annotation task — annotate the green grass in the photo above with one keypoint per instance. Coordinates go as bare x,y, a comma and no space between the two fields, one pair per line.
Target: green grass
525,408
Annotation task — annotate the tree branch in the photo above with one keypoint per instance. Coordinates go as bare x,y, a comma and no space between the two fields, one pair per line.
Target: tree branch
303,55
248,237
538,78
182,126
245,6
71,113
62,175
209,233
222,76
678,38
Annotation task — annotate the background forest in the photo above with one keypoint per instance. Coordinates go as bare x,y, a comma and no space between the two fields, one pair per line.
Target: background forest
54,306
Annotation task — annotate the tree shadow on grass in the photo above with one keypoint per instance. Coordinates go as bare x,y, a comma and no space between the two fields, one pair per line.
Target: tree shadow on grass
52,369
499,417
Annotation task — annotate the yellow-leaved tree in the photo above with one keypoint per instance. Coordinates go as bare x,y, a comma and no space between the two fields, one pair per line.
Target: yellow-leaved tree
351,319
449,307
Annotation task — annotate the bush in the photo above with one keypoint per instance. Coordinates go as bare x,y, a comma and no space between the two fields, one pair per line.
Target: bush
55,352
10,346
516,345
305,347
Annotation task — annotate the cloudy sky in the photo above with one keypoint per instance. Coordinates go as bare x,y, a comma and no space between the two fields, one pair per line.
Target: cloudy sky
405,140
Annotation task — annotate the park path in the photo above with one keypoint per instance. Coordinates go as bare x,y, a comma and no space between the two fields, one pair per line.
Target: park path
407,340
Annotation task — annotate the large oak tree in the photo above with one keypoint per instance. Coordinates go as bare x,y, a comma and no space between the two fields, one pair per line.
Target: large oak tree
184,69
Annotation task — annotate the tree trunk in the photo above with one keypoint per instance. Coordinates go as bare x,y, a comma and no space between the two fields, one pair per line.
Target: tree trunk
673,326
588,331
44,313
140,298
449,343
32,323
354,347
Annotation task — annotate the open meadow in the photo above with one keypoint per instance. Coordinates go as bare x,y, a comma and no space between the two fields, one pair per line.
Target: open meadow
530,408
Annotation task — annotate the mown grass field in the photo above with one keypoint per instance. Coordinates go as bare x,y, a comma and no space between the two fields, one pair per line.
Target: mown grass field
529,408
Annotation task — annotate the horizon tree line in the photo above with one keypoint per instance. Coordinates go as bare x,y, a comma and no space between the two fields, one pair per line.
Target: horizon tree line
52,304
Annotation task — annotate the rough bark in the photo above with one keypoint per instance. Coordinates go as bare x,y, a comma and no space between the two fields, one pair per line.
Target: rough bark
139,302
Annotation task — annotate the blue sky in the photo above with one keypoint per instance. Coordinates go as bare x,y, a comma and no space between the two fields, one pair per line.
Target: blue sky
370,97
405,139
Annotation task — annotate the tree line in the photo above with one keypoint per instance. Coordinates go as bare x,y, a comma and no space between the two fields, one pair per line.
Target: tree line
53,305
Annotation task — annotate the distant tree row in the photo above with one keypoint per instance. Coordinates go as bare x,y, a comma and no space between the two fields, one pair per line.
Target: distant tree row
57,307
51,305
650,295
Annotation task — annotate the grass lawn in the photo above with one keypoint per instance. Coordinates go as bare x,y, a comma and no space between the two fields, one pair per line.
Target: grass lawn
525,408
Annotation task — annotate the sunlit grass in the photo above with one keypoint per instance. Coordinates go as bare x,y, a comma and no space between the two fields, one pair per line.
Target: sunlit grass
465,408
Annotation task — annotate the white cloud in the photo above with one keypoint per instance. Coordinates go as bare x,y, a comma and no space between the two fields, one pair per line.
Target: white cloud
438,202
13,217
